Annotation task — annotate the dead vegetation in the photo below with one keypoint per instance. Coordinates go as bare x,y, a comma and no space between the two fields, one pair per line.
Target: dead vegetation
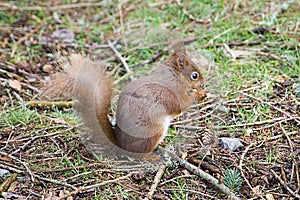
255,90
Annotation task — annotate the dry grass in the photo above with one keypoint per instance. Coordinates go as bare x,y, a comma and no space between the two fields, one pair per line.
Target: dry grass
253,48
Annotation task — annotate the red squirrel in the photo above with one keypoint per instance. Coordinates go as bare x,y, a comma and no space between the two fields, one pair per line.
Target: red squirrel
145,107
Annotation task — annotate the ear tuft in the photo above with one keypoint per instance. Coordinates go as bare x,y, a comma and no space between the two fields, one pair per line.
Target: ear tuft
181,61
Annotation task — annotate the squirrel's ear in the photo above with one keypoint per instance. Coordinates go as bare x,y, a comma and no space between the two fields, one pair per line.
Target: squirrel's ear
180,62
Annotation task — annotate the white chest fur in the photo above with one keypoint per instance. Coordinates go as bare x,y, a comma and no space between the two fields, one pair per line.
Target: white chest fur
166,125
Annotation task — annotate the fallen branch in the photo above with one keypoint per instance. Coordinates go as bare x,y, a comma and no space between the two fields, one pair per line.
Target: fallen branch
272,106
81,189
41,135
7,183
24,85
51,104
240,167
257,123
211,41
56,182
8,6
157,178
186,127
205,176
284,185
15,170
296,164
232,54
123,61
20,161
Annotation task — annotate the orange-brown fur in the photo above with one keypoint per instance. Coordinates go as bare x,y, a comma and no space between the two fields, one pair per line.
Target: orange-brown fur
143,105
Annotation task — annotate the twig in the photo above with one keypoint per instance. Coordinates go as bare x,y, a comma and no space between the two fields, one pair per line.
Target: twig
51,104
10,68
21,148
257,123
274,107
185,127
238,44
120,4
2,166
42,135
284,185
22,39
17,96
37,176
57,182
25,85
230,51
211,41
205,176
34,89
6,184
287,137
96,185
20,161
254,87
123,61
296,165
296,26
280,59
279,136
91,165
157,178
208,178
188,14
8,6
240,167
297,173
7,141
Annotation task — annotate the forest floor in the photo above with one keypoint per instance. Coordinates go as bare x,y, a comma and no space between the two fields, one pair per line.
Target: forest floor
248,52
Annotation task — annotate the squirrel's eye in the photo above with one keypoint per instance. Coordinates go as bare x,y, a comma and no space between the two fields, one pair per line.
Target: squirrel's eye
194,75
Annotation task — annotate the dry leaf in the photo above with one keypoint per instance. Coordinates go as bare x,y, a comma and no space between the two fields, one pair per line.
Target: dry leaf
186,172
5,158
58,120
243,53
48,68
257,191
270,197
14,84
6,184
183,155
280,79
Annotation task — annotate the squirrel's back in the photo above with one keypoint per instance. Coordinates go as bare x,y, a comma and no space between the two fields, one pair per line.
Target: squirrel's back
145,107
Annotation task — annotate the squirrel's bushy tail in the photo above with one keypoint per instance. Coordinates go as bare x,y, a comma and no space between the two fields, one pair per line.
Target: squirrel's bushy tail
91,86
